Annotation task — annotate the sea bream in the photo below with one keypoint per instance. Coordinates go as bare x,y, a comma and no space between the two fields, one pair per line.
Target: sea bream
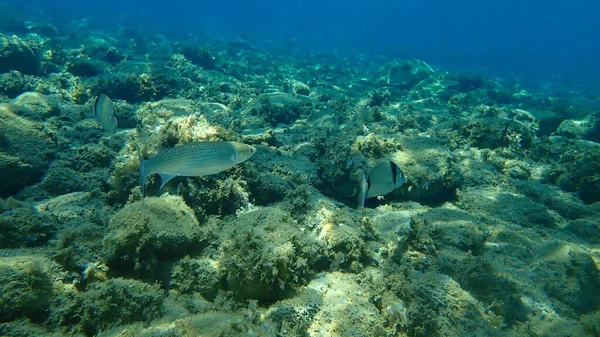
382,179
194,159
105,114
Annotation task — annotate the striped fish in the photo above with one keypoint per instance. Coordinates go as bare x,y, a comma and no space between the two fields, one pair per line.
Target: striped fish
194,159
104,113
383,178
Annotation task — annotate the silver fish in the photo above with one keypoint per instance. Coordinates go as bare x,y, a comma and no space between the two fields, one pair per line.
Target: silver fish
104,112
194,159
383,178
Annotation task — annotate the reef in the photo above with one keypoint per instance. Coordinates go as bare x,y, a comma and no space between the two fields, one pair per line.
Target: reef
496,231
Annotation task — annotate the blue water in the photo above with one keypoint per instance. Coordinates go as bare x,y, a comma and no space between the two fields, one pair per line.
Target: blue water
535,39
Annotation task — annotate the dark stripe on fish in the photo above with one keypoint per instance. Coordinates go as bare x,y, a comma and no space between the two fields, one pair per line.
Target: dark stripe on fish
382,179
394,169
105,113
194,159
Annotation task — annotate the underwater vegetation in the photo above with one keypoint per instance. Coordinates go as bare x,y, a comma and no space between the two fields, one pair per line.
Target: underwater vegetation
481,195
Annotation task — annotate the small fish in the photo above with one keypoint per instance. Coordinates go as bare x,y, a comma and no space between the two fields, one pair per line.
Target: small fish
194,159
383,178
104,112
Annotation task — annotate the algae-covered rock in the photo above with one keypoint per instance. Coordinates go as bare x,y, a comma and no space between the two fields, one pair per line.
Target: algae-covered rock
25,151
578,166
212,323
295,314
487,133
438,306
277,107
344,241
25,287
508,207
451,228
38,106
407,74
16,54
227,197
136,81
200,56
117,302
81,218
86,67
586,228
346,309
428,167
87,173
336,304
266,256
146,232
196,275
300,88
570,275
21,225
587,128
14,83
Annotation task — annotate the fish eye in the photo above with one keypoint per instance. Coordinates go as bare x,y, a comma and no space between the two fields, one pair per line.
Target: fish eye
252,150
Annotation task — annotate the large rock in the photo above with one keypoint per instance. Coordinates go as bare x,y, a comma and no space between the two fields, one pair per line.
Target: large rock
16,54
25,151
278,108
25,287
587,128
405,75
145,234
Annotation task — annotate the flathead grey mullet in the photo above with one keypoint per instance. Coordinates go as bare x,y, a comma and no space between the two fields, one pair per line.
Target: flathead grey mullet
194,159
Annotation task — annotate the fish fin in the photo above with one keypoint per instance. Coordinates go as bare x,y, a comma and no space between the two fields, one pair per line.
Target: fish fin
164,178
142,171
94,106
115,120
362,186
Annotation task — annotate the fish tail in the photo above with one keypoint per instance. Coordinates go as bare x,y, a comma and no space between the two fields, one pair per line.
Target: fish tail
142,171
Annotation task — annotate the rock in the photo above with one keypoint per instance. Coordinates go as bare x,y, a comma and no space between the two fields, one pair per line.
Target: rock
196,275
579,164
508,207
14,83
117,301
38,106
25,151
405,75
429,169
200,57
300,88
22,226
346,309
587,128
267,256
487,133
277,107
16,54
149,231
26,287
86,67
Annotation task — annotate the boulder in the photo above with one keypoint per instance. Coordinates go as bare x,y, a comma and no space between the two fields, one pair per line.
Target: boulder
25,151
16,54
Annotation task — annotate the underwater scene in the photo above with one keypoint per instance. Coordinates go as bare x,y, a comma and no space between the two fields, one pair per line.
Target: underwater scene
273,168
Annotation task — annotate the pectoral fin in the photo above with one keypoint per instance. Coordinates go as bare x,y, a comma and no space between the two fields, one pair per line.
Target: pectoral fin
164,178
